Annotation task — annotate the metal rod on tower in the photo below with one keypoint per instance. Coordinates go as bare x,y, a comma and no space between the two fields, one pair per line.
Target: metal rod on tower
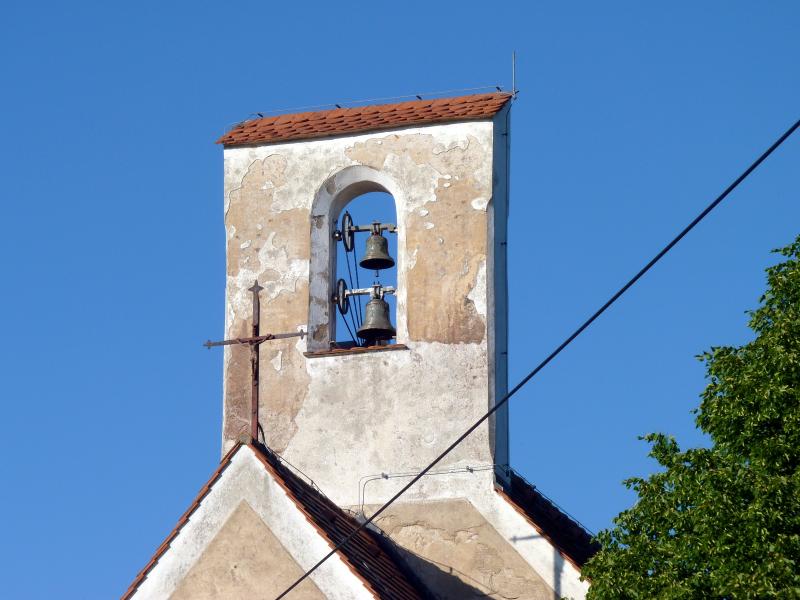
254,341
254,360
513,73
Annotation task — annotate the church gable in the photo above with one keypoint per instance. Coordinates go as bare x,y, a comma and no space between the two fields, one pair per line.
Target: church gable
251,501
244,560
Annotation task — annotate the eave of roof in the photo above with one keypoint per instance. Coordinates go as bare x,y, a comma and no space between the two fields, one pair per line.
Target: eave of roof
366,556
340,121
568,536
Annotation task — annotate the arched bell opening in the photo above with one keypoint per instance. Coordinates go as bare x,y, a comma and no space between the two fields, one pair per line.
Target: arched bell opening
365,279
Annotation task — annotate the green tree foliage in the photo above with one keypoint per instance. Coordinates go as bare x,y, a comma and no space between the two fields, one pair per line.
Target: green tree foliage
724,521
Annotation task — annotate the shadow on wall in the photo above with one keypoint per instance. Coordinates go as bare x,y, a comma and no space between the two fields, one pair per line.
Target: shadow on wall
443,582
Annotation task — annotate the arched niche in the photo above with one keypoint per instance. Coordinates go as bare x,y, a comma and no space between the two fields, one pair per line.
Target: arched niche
329,202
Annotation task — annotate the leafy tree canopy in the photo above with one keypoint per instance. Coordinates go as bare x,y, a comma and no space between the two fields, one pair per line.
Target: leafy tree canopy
724,521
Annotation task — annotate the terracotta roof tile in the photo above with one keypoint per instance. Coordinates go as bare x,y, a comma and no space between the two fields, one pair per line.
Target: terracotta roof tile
567,535
327,123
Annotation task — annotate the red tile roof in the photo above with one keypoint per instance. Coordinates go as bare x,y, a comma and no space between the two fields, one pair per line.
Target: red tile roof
567,535
340,121
366,554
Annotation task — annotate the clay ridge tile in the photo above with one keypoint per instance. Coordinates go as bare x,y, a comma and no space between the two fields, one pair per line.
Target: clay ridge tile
327,123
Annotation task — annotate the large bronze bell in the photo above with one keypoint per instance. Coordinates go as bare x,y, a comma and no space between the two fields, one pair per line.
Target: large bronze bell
377,325
377,256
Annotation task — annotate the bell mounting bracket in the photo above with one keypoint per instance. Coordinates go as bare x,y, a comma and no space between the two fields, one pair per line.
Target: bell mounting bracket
347,230
376,291
341,298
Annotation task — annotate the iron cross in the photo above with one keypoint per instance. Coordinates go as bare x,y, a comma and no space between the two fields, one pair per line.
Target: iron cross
254,341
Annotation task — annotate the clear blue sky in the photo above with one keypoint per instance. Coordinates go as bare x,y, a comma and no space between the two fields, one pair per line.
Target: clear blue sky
631,117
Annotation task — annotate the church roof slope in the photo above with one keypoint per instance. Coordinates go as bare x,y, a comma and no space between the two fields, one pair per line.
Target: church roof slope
367,554
568,536
327,123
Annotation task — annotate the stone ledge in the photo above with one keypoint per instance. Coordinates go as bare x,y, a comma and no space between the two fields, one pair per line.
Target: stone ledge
356,350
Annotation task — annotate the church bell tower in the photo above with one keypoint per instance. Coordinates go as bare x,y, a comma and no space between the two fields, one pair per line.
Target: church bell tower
340,413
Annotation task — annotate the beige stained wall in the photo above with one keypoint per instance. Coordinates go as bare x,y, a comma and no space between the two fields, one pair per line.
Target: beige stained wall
341,418
244,560
459,555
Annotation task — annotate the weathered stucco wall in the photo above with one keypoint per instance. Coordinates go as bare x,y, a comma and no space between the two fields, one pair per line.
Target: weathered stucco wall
457,553
340,418
244,560
476,544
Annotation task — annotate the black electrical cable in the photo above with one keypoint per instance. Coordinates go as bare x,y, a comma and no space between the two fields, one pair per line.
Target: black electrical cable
554,353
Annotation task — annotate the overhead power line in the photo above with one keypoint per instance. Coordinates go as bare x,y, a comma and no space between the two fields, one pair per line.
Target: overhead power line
555,352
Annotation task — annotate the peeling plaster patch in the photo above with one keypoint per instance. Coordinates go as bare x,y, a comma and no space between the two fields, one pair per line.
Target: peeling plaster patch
478,293
301,344
411,260
284,278
276,362
418,158
480,203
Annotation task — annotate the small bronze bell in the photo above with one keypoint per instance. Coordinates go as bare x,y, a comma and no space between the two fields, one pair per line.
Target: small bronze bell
377,256
377,325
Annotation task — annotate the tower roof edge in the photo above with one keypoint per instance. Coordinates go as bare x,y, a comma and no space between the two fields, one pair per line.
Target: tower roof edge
343,121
